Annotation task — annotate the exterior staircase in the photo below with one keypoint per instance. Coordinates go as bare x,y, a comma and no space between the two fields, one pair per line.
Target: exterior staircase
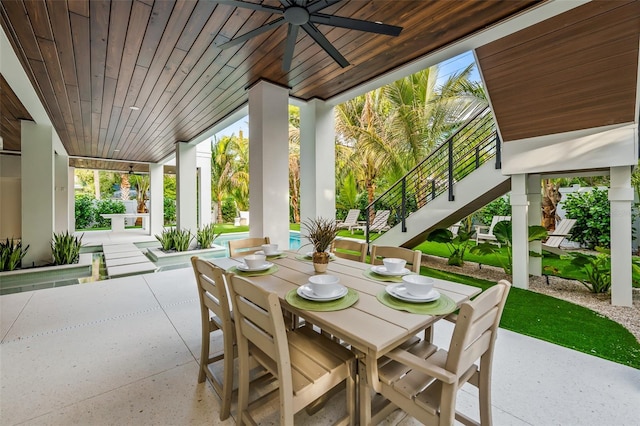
456,179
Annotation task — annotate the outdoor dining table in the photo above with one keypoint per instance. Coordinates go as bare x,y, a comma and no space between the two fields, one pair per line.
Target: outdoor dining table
369,326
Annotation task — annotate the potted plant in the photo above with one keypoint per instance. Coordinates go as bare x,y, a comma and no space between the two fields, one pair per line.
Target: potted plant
320,232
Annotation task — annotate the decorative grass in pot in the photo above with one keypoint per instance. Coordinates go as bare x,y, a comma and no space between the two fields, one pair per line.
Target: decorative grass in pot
320,232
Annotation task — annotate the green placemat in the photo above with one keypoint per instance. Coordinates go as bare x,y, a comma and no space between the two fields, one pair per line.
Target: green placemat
443,306
269,271
276,256
386,278
296,301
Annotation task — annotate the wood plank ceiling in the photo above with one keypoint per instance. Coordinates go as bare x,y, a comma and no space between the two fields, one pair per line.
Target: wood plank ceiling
90,61
575,71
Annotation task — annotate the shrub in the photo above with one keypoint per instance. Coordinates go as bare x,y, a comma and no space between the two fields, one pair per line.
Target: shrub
175,239
591,211
457,245
166,239
85,211
206,235
107,207
169,211
66,248
11,254
498,207
228,210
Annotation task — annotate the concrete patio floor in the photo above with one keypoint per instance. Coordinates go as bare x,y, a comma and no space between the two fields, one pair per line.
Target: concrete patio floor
125,351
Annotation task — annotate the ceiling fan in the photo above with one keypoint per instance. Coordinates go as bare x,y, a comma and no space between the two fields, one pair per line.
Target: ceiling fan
305,14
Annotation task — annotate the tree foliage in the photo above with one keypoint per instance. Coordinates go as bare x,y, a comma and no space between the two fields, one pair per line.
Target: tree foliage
592,213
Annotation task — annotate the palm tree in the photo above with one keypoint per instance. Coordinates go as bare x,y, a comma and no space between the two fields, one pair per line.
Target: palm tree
125,186
294,163
142,184
227,173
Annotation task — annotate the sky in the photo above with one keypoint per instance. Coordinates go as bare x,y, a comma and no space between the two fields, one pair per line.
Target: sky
447,68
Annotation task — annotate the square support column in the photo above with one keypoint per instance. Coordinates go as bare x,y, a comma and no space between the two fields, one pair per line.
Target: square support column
62,193
156,198
186,187
317,161
520,227
203,163
269,162
37,192
621,199
71,184
534,197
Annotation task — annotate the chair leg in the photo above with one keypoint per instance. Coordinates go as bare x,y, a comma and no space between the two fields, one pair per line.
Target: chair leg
227,385
484,394
243,385
204,355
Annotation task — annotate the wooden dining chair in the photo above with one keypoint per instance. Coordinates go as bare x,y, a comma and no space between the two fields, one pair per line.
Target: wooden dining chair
426,387
246,246
349,249
306,364
413,257
215,315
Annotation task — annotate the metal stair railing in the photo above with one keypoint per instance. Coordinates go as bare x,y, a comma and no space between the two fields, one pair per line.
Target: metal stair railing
471,146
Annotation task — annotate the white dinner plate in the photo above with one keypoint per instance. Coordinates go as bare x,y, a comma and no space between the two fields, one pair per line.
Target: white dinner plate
382,270
305,292
399,291
244,268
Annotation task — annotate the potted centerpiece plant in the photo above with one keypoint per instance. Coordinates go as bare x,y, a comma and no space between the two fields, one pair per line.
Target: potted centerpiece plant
320,232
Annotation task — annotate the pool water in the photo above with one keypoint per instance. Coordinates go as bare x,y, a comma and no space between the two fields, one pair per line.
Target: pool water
294,240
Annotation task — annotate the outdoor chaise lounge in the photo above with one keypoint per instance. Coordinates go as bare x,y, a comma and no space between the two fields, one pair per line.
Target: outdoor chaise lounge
379,222
350,221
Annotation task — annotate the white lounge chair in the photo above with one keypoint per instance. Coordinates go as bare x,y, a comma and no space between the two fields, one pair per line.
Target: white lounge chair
350,221
562,231
488,236
379,222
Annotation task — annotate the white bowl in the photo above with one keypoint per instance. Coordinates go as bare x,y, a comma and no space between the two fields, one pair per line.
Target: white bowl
324,285
393,264
418,285
254,261
270,249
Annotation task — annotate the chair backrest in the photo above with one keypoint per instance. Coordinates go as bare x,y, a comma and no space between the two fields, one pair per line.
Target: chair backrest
497,219
246,246
212,292
352,217
413,257
476,327
380,220
259,321
349,249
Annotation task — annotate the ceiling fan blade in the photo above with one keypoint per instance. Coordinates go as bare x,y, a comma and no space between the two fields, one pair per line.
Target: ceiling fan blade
246,36
319,38
254,6
355,24
317,5
292,35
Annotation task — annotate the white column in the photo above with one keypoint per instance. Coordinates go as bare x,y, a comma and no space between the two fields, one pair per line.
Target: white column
186,187
317,161
534,197
61,195
520,227
203,162
269,162
37,192
71,184
621,198
156,199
